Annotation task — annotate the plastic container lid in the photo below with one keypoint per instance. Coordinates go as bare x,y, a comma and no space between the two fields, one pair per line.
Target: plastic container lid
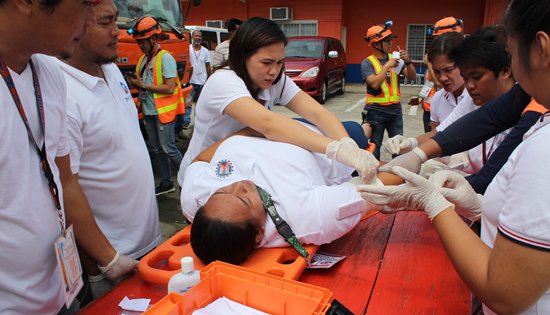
187,264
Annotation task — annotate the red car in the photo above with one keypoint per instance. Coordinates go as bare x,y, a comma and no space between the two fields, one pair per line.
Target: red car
317,64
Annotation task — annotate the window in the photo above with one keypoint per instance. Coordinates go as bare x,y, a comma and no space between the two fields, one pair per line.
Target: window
299,28
215,23
417,41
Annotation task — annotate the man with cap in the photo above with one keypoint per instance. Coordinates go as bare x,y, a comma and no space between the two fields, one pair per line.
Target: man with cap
381,71
161,98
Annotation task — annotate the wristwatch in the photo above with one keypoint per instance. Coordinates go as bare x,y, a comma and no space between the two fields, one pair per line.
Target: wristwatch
142,89
408,63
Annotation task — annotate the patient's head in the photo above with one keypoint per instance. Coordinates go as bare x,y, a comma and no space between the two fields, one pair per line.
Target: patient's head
230,225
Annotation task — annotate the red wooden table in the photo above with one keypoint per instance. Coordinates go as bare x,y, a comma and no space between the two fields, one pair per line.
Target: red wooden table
395,264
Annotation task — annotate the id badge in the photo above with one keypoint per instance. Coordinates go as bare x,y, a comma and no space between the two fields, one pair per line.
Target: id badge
142,95
69,265
426,88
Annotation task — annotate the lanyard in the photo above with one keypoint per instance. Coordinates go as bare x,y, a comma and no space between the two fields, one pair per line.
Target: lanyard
41,152
282,227
144,69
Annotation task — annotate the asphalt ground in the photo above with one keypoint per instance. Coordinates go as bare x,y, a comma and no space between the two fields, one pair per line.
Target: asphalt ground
347,107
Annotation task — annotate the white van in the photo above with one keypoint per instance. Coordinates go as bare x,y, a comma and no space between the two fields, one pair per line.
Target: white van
211,36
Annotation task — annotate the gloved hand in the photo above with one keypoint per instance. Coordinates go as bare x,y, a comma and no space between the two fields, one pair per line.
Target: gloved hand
399,144
99,285
351,155
410,161
416,193
457,190
119,266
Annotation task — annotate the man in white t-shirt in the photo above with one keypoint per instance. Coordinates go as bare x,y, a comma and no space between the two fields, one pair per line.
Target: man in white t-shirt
201,70
30,221
108,153
317,200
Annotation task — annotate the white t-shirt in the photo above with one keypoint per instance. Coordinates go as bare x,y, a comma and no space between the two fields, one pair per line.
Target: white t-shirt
30,282
198,60
309,200
221,89
443,103
517,202
465,106
475,155
109,154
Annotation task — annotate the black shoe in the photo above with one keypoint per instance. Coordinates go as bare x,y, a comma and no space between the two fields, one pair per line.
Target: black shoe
164,189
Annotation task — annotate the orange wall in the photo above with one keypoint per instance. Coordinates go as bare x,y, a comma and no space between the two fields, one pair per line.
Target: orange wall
327,13
355,16
357,21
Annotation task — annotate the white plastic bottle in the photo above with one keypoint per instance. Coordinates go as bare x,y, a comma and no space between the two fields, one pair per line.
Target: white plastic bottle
186,279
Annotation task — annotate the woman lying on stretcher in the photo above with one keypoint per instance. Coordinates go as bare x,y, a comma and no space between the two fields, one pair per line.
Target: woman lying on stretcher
316,196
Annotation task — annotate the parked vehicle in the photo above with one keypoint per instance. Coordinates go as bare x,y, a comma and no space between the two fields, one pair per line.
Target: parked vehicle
317,64
211,36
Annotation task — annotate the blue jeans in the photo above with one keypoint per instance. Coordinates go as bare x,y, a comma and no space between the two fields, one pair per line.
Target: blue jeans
197,88
354,130
381,121
162,146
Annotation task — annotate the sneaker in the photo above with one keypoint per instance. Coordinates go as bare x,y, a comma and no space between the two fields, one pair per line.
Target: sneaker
164,189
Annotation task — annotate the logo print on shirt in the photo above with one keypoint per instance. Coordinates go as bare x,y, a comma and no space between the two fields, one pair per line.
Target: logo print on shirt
124,87
224,168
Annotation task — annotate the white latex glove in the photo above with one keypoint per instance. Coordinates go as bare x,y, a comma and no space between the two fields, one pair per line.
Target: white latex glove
351,155
457,190
410,161
399,144
118,267
416,193
459,161
99,285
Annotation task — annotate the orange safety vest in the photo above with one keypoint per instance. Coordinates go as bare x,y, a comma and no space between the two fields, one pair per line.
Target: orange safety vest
426,104
535,107
168,105
390,93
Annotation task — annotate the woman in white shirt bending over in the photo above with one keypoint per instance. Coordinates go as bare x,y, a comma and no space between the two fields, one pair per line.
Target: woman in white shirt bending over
243,94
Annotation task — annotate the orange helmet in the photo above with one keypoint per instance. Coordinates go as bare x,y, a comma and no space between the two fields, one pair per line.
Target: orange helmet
379,32
145,27
447,24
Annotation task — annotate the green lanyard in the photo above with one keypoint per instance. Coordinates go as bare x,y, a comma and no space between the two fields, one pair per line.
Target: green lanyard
282,227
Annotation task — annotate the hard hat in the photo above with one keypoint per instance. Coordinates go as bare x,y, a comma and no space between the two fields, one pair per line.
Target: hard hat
447,24
379,32
145,27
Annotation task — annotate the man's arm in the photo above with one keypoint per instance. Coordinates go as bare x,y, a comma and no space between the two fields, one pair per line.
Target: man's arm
78,212
480,180
472,129
374,81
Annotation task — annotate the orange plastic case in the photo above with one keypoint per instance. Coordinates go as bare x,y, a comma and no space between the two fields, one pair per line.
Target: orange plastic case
264,292
164,261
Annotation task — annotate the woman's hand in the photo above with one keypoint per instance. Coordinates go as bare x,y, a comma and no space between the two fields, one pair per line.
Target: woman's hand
347,152
416,193
455,188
